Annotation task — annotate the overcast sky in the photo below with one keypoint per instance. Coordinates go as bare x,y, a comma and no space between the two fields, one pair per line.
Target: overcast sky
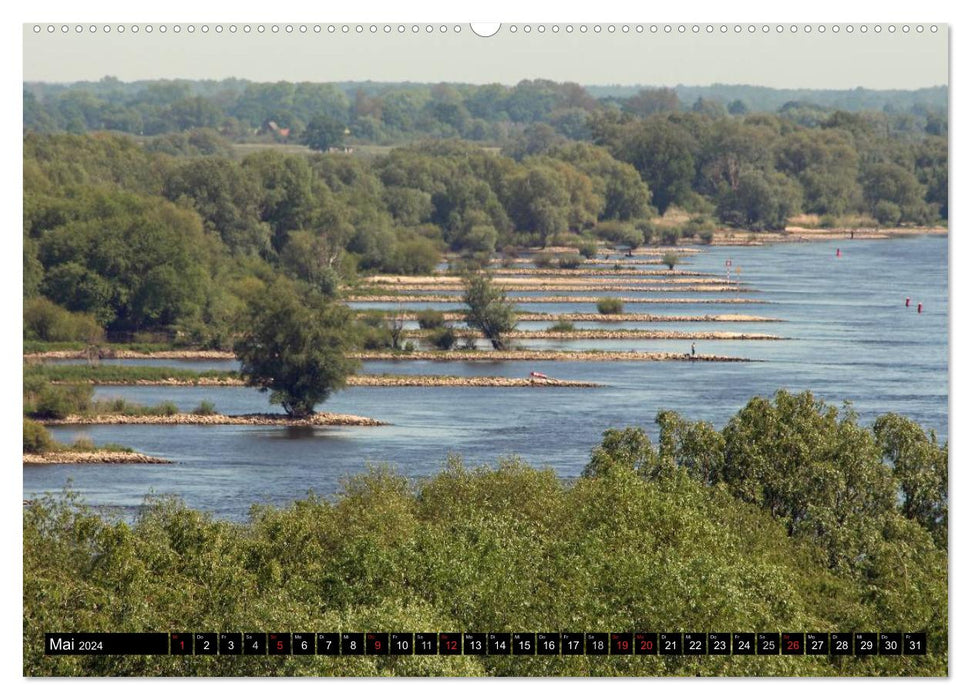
881,60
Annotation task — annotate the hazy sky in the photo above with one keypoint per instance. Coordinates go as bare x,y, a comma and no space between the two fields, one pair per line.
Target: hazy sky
881,60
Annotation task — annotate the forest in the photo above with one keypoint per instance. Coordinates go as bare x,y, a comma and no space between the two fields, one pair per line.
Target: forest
143,213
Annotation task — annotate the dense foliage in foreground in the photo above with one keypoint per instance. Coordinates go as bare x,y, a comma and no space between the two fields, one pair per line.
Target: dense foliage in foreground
650,538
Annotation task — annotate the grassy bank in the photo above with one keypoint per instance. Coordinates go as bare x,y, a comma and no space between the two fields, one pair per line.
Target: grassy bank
126,374
41,448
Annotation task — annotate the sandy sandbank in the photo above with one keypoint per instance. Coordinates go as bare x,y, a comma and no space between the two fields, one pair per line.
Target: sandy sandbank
583,277
617,318
437,298
366,380
193,419
612,287
544,356
96,457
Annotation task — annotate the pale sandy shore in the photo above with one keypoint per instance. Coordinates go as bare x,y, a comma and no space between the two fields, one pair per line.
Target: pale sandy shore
435,298
364,380
622,334
433,380
192,419
619,318
612,288
611,260
666,275
602,250
544,356
96,457
584,277
798,234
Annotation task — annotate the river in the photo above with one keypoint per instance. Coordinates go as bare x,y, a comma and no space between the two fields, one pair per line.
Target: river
848,336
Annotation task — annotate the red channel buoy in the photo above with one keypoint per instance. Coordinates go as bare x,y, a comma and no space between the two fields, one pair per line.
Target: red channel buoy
907,302
920,307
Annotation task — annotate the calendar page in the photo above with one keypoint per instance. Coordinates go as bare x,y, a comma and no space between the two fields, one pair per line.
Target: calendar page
512,349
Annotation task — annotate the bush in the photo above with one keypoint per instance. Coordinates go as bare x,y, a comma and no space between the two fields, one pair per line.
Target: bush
561,327
373,331
205,408
619,233
61,401
415,257
543,260
670,259
83,445
444,338
671,235
610,305
647,229
469,341
430,318
44,320
566,239
570,262
588,249
699,227
36,438
887,213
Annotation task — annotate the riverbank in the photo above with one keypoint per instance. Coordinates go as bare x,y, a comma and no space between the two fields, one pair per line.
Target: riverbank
666,275
95,457
489,355
438,298
613,318
798,234
365,380
216,419
543,356
613,286
622,334
500,278
120,354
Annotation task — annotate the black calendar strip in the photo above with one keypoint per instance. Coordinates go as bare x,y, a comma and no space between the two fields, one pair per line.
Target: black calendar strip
487,643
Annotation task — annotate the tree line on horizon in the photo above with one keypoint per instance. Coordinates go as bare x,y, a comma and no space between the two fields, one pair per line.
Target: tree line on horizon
386,113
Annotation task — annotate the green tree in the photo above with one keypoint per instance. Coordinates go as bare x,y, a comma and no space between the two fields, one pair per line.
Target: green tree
226,197
760,201
295,346
626,450
323,132
888,182
489,310
817,470
920,467
663,154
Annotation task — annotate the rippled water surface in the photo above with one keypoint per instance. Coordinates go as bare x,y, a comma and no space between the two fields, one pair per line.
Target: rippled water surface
848,337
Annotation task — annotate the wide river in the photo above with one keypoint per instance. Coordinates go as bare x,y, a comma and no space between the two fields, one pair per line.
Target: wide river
848,336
